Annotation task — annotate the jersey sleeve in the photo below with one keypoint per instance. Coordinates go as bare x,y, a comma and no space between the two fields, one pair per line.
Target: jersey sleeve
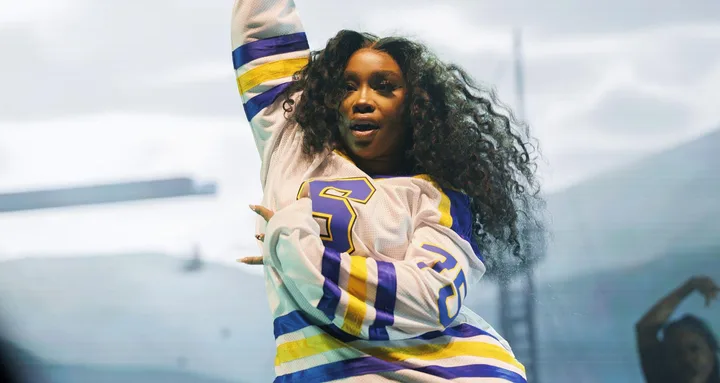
365,297
269,46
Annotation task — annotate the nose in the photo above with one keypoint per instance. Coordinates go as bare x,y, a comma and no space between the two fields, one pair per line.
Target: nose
363,104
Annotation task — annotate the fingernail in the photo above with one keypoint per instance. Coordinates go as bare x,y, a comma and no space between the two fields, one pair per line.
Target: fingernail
252,207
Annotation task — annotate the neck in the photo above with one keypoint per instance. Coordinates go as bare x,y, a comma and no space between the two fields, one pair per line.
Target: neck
380,166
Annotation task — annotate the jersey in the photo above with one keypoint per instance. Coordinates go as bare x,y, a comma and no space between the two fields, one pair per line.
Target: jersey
367,277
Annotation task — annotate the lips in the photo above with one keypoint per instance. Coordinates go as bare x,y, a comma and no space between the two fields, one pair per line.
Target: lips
363,125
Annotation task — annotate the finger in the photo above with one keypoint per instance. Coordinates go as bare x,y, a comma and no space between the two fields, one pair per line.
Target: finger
260,237
262,211
251,260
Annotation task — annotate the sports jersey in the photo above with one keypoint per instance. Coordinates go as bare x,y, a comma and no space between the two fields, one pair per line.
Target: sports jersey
367,277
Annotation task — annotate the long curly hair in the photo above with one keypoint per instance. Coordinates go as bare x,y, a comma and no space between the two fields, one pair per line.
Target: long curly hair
459,135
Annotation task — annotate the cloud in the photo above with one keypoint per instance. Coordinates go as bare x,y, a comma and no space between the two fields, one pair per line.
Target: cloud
39,12
169,58
569,16
630,112
458,32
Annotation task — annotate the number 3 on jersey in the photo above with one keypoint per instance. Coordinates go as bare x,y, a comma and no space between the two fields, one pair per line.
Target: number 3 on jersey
447,293
331,204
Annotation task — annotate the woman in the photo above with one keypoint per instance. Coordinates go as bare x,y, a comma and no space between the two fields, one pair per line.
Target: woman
387,181
688,352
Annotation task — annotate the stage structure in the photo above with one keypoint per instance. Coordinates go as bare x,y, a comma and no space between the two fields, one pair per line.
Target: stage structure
516,281
104,194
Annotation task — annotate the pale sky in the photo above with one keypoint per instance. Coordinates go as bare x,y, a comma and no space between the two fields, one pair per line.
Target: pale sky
97,91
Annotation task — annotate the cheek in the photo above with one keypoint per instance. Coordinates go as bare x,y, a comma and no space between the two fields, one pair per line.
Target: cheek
344,108
707,359
396,112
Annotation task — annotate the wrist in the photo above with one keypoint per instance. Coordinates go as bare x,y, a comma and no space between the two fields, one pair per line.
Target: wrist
688,287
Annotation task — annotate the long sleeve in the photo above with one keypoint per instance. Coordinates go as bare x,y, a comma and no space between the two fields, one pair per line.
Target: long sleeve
269,46
367,298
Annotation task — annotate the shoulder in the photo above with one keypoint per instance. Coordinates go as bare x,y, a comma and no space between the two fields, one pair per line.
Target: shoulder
443,206
652,360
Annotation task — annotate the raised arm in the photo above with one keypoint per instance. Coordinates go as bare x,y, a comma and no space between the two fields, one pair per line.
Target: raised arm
364,297
269,46
647,328
650,324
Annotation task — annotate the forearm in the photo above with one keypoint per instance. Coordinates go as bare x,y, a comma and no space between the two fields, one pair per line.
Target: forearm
364,297
663,309
269,47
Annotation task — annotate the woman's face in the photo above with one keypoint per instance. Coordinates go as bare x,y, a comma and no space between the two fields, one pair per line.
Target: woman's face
372,127
691,357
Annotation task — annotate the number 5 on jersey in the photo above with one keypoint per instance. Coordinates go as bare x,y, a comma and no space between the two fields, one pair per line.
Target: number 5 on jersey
331,204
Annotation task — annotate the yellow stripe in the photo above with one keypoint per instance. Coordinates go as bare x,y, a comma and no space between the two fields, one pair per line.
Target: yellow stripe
343,155
357,289
287,352
268,72
443,351
318,344
444,207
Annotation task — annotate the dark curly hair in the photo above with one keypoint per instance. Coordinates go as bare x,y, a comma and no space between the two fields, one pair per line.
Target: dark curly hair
459,135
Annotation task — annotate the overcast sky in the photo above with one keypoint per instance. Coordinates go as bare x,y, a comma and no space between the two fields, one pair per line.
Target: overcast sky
101,91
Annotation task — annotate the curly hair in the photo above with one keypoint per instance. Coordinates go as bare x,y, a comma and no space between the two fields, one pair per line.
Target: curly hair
459,135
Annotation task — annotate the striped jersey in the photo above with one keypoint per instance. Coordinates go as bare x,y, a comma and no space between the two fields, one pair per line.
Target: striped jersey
366,278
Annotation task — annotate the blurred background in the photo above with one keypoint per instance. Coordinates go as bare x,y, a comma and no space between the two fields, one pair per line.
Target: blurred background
126,165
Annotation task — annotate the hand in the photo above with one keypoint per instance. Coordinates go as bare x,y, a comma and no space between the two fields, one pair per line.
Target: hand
266,214
262,211
705,286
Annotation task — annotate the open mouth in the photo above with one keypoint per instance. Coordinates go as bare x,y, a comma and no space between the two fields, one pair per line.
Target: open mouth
364,127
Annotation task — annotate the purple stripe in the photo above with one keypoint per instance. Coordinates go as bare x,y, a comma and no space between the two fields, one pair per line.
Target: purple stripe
338,334
463,218
331,291
263,100
473,371
340,370
269,47
297,320
384,301
460,331
288,323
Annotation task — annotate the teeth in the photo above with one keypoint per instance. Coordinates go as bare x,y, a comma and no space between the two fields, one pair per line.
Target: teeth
363,127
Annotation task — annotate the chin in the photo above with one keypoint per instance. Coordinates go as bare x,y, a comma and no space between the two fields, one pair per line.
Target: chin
363,153
360,151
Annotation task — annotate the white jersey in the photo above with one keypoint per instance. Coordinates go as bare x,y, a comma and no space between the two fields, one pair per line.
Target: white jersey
367,277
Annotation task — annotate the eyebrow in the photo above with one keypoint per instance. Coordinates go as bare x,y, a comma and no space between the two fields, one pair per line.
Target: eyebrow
385,73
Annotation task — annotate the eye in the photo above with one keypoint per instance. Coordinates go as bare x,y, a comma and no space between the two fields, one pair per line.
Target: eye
386,86
350,86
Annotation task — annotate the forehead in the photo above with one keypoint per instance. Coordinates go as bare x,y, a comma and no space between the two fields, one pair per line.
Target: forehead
682,335
367,61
